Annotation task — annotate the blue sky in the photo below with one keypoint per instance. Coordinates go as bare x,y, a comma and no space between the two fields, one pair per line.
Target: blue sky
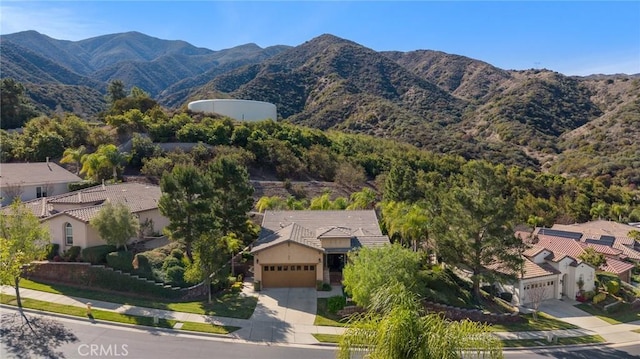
571,37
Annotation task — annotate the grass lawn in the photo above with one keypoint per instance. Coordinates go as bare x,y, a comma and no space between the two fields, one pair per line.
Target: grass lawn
325,318
544,322
225,305
613,318
327,338
114,317
587,339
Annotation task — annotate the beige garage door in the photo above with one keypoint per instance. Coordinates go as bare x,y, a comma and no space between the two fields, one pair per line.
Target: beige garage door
288,275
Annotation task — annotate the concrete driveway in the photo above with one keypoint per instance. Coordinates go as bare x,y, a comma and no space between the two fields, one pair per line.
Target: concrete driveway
282,315
288,305
565,311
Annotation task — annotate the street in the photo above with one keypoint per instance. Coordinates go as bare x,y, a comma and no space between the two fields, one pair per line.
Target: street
97,340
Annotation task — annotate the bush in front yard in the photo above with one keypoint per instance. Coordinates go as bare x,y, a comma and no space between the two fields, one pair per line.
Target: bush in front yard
52,250
336,303
599,297
120,261
71,254
175,276
613,287
97,254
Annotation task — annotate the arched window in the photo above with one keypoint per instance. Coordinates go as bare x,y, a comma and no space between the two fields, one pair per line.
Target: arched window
68,234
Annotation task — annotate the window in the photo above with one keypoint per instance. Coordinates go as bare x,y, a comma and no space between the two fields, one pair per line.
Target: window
68,234
286,268
266,268
41,192
306,267
279,268
272,268
312,267
293,268
299,267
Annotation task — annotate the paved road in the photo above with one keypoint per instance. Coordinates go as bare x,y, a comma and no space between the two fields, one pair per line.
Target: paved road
109,341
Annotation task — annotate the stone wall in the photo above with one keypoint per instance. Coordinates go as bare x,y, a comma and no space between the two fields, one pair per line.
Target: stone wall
85,275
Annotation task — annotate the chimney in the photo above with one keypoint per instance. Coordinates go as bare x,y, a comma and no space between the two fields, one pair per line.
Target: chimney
80,196
103,187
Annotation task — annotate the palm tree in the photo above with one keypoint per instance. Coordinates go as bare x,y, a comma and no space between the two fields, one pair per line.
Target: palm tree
396,326
91,165
365,199
273,202
598,210
114,158
74,155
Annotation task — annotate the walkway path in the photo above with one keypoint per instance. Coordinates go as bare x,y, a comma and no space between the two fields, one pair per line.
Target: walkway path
286,315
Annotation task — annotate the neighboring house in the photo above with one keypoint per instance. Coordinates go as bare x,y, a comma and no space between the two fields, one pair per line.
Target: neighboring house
551,270
299,248
33,180
608,238
68,215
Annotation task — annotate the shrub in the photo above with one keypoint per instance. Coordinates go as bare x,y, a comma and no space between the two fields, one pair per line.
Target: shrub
599,298
171,261
613,287
176,253
71,254
97,254
236,287
326,287
336,303
175,275
120,261
142,266
52,250
81,185
588,295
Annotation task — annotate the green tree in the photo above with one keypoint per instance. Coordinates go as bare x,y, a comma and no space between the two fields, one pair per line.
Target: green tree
187,201
115,91
106,158
15,107
369,269
396,326
598,210
115,224
410,222
400,183
365,199
74,155
270,202
590,256
475,226
212,251
22,240
233,193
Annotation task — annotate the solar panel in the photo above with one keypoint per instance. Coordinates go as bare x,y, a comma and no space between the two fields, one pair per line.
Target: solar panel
558,233
607,240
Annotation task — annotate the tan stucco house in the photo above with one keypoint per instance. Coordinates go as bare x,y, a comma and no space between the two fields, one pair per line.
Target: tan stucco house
29,181
68,215
299,248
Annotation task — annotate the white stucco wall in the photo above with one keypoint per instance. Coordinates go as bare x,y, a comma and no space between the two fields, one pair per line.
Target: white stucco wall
30,192
241,110
83,235
159,221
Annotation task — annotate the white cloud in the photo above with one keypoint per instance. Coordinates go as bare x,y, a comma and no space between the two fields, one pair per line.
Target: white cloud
57,20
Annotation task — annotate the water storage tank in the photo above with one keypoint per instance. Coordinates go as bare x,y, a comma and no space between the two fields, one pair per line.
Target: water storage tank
241,110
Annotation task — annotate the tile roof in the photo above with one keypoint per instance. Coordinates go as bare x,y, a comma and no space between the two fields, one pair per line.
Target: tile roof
292,232
309,227
600,248
595,229
354,220
627,252
30,174
137,197
560,247
533,251
616,266
531,269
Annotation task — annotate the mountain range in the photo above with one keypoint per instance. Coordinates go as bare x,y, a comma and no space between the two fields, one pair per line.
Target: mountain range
586,126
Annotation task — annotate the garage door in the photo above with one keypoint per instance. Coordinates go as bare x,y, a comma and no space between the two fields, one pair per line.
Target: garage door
539,291
288,275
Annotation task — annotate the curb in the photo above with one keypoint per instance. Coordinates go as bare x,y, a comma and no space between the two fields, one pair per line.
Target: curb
118,324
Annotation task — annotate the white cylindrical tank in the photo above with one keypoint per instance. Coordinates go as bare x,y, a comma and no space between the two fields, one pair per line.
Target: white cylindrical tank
241,110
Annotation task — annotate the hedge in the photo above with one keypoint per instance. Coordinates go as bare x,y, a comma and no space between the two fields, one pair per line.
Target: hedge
120,261
81,185
71,254
52,250
97,254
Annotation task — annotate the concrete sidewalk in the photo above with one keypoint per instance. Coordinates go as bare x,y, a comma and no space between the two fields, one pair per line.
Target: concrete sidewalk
286,315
